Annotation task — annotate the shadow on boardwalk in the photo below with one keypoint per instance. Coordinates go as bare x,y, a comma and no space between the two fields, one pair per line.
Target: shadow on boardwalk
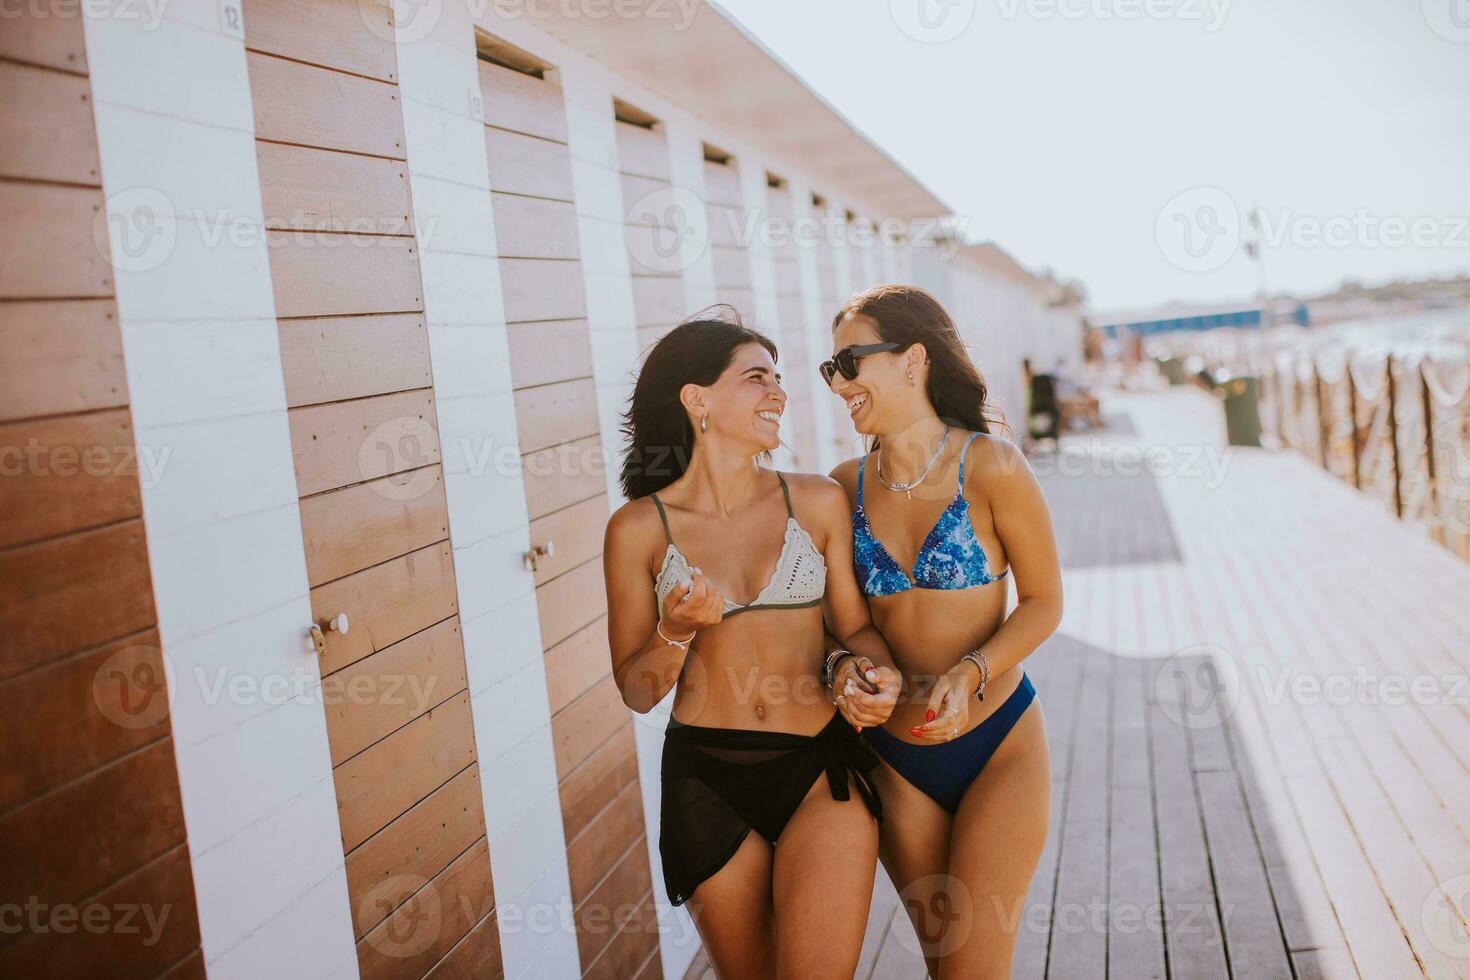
1259,723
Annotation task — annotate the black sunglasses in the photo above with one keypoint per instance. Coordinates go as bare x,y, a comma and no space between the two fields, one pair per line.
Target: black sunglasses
846,360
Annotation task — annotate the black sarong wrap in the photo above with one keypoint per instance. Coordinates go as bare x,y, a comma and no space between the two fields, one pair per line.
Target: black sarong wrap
719,783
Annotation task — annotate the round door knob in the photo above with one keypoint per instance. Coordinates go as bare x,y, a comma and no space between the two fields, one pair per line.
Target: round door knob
338,623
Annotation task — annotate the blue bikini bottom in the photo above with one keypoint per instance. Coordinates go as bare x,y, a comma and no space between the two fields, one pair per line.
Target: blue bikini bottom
944,771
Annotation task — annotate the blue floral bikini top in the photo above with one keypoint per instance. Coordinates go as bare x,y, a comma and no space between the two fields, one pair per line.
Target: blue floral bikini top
950,558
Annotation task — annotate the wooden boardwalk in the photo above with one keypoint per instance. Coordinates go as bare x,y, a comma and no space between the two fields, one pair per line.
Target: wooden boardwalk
1259,718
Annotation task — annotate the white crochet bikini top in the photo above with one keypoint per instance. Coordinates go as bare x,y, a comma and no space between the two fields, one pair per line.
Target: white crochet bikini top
799,581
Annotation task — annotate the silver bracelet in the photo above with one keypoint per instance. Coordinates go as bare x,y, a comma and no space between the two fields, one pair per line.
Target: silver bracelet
679,644
977,657
829,667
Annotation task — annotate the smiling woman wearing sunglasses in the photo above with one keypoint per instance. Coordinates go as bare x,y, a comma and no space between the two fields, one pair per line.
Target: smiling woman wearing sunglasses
944,516
721,574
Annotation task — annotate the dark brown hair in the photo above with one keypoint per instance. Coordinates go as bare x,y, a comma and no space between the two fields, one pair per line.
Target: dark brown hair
659,438
908,315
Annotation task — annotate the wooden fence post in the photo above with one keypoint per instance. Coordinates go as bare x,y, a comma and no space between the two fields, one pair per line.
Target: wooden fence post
1393,435
1323,435
1428,397
1347,371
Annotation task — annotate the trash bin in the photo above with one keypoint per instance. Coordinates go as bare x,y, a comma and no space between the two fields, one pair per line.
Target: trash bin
1242,417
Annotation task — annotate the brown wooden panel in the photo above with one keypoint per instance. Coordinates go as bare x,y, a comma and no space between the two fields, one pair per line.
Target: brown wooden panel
70,593
67,473
722,184
577,663
55,42
152,922
320,190
644,152
586,791
521,164
595,851
311,106
378,695
635,189
343,34
658,301
349,529
743,299
546,351
566,604
730,227
376,786
548,415
69,844
534,228
47,251
788,287
389,867
60,356
613,902
560,476
522,103
585,724
427,926
577,531
324,274
348,442
633,952
189,968
542,289
46,130
732,267
333,358
477,956
386,603
64,720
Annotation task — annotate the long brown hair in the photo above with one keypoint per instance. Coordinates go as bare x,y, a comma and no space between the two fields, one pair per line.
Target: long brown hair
658,437
908,315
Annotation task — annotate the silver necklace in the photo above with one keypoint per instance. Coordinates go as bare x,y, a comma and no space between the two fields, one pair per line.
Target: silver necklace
908,488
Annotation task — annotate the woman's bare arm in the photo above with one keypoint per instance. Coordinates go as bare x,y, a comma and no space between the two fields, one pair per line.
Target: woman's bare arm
645,665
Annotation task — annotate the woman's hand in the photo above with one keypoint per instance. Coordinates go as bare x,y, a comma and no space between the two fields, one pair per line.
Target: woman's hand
865,693
691,608
949,704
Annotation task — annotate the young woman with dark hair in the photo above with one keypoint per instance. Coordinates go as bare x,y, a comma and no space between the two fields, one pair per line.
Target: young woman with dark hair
721,574
944,513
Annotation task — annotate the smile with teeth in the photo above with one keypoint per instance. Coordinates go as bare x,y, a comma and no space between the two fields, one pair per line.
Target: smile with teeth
770,416
856,402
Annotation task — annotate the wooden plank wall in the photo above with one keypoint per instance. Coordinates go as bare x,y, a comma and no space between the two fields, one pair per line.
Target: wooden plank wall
359,389
842,433
556,418
658,294
92,840
798,428
725,212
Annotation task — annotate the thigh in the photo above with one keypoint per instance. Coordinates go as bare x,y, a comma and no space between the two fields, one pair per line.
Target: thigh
732,910
914,846
823,885
997,839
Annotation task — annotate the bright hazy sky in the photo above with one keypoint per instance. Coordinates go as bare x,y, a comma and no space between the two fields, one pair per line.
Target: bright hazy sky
1063,134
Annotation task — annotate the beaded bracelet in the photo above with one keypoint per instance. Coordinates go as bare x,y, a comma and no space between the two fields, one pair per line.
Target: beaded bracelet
679,644
977,657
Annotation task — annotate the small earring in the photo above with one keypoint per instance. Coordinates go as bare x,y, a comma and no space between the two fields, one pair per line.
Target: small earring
911,380
704,423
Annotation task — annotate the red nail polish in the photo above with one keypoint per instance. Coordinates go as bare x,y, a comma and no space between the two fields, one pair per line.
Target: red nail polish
916,732
858,729
928,716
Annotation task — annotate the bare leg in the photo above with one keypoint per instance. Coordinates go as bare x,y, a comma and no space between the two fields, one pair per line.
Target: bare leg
732,910
997,839
823,885
915,851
